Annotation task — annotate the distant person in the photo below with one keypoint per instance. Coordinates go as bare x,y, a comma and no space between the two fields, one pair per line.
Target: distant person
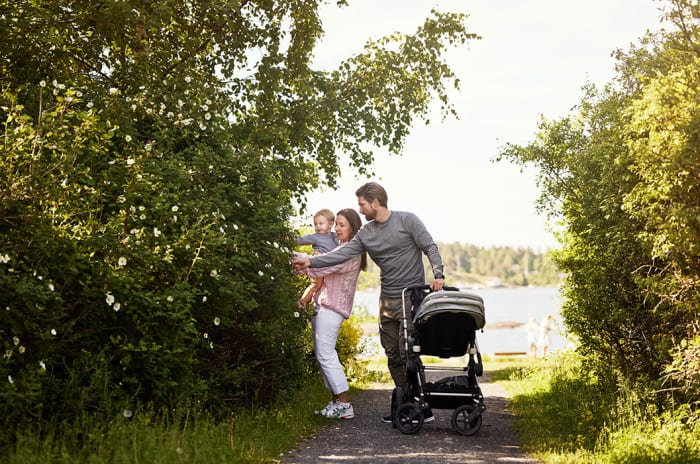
546,327
396,241
533,332
322,241
332,306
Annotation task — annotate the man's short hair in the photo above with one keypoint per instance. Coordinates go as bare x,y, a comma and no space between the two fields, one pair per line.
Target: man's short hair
373,191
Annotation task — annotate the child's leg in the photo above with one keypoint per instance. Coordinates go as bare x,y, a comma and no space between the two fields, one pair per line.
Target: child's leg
310,291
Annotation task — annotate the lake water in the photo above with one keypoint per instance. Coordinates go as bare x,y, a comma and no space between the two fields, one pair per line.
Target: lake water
503,305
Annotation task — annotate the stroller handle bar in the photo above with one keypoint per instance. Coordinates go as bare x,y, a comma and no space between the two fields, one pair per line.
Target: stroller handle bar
427,287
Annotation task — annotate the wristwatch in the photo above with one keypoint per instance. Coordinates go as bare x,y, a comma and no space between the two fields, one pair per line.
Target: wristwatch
440,276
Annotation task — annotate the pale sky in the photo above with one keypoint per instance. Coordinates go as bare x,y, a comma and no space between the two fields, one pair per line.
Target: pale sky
532,60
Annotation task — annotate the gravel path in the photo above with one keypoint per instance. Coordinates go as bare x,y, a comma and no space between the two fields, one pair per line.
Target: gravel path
366,440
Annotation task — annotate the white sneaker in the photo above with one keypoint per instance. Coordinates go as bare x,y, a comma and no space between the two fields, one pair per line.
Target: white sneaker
326,409
340,411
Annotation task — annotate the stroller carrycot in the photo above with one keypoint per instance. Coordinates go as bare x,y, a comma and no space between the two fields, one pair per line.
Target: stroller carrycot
444,325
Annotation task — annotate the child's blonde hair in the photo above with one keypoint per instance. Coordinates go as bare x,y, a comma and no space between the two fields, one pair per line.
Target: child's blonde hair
328,214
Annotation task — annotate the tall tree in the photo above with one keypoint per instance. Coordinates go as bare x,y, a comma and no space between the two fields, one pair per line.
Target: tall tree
623,175
151,154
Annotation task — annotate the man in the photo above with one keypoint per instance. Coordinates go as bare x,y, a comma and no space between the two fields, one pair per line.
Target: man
396,242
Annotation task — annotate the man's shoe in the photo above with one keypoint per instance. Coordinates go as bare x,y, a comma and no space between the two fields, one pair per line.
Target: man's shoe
427,417
340,411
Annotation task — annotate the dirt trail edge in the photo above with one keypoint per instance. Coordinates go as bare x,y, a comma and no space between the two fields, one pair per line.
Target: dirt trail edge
366,440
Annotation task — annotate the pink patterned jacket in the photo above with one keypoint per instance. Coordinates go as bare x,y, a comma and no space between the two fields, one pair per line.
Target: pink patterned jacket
339,284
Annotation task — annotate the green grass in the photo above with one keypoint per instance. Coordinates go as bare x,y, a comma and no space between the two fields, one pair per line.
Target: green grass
250,436
561,414
565,416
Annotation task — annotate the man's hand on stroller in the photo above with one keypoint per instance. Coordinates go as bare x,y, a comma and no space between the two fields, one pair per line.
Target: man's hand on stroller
437,284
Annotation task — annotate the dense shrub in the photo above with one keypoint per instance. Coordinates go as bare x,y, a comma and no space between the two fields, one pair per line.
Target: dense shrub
135,271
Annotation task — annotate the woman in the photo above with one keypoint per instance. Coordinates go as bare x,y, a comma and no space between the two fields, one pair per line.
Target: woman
332,305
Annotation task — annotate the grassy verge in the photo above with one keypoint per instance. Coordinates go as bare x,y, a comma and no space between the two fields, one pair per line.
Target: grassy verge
251,436
564,415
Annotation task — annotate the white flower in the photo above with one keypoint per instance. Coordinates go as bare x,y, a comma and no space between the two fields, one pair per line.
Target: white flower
42,364
169,298
243,179
21,349
205,335
113,91
15,340
156,232
4,258
214,273
51,287
207,116
217,321
127,413
261,273
53,332
122,261
117,306
148,146
142,208
174,208
42,84
188,79
296,313
110,298
204,299
127,138
130,161
9,379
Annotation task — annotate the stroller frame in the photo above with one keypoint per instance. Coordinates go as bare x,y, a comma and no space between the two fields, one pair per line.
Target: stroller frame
444,325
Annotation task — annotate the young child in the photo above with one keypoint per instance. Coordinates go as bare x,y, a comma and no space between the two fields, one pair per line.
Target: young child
322,241
546,327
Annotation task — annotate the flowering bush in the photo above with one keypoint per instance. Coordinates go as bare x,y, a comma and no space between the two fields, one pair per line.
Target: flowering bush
136,269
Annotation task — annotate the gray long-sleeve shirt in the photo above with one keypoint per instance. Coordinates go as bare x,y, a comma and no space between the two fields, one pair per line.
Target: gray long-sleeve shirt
397,246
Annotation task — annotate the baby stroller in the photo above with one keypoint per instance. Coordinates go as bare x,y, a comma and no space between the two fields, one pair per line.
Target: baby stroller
444,325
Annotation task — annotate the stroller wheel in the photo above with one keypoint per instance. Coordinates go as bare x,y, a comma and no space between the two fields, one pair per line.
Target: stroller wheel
408,418
397,399
466,419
